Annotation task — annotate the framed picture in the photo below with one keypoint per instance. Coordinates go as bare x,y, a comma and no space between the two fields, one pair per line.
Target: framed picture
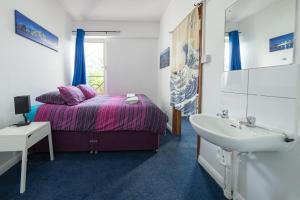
282,42
31,30
165,58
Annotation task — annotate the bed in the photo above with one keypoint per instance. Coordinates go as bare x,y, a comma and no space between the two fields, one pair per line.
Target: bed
103,123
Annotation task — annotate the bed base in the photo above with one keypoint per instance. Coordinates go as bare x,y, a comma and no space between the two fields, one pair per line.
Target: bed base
65,141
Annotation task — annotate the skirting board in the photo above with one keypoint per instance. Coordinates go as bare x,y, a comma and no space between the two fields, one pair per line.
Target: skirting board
10,163
211,171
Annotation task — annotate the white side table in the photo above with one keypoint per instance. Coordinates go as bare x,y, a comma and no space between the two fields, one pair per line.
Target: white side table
21,139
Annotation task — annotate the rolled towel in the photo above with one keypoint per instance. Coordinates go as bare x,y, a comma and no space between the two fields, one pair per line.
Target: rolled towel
132,100
130,95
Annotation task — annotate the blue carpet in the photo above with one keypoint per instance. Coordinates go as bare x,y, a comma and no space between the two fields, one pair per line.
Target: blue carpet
170,174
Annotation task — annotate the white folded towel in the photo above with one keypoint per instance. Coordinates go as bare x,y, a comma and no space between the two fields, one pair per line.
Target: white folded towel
132,100
130,95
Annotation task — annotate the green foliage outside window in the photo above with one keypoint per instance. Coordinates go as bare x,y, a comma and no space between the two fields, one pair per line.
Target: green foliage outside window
96,80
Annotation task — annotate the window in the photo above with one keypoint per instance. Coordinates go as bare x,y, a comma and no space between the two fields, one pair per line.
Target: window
95,68
226,56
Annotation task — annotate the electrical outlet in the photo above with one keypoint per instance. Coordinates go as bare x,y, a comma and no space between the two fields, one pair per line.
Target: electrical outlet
205,59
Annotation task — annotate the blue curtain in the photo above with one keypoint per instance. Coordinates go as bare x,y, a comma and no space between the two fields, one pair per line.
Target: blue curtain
79,65
234,51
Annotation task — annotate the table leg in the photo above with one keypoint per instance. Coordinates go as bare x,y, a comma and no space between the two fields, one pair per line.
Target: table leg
50,147
23,171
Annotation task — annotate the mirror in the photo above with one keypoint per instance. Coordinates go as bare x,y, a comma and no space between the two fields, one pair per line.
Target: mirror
259,34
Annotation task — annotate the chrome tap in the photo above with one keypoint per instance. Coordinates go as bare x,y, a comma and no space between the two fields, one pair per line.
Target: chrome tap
250,122
224,114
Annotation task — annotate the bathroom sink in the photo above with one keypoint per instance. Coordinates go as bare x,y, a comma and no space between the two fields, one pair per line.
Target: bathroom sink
229,135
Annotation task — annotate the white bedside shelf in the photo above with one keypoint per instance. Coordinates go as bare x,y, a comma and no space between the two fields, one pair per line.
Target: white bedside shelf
21,139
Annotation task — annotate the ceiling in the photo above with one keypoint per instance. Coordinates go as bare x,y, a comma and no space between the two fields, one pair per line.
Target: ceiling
115,10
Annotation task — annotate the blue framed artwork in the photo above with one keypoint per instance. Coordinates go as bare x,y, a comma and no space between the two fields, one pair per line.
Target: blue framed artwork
282,42
31,30
165,58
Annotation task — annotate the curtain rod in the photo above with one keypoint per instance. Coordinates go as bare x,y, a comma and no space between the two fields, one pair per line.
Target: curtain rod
229,32
99,31
199,3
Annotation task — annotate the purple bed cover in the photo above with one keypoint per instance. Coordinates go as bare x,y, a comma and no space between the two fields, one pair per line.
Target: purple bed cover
105,113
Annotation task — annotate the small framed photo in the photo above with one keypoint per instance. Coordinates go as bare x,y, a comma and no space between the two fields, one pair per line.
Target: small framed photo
165,58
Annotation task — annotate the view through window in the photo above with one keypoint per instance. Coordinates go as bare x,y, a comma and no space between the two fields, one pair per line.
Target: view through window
94,60
226,56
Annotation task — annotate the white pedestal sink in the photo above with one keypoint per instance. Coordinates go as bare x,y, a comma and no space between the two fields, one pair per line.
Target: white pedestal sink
231,136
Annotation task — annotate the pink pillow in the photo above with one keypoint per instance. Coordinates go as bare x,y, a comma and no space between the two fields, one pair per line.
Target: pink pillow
71,95
51,98
88,91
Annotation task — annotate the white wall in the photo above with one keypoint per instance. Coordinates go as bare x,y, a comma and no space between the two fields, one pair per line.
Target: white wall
131,56
27,67
174,14
128,29
132,67
269,177
214,42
